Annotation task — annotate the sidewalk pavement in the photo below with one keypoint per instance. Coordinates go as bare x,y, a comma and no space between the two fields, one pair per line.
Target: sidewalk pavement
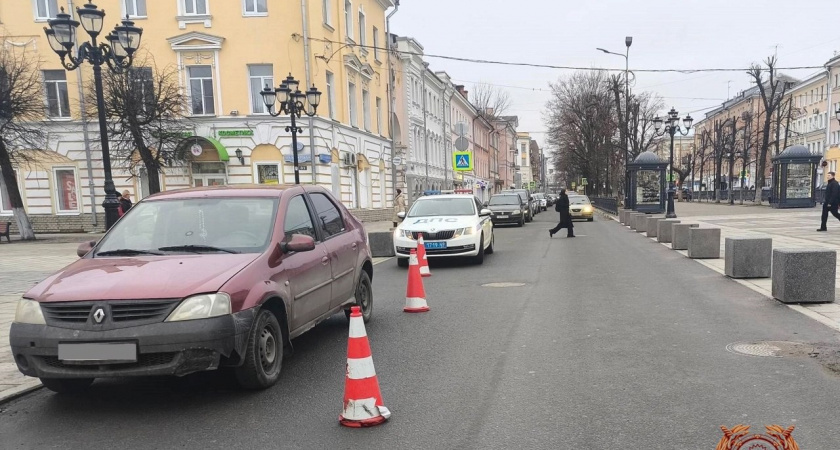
789,228
25,263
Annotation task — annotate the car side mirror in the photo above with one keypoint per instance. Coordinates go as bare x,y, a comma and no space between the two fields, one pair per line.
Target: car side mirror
298,243
85,248
401,215
485,212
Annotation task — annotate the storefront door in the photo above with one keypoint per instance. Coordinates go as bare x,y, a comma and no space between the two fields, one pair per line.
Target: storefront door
209,174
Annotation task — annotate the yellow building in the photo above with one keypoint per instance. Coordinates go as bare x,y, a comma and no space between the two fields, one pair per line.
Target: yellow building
224,51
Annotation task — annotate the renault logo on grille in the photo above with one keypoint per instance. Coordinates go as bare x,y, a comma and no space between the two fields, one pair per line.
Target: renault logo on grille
99,315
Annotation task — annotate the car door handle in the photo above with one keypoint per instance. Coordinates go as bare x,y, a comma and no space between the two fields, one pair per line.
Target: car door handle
325,260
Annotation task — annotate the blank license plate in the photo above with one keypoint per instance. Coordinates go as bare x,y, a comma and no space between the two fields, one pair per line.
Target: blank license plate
435,245
502,217
100,351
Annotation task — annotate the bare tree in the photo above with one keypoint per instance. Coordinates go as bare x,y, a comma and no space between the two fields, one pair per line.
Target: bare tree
144,107
21,110
491,102
772,91
643,109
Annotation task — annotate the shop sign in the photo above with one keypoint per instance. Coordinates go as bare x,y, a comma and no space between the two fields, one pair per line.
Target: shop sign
235,133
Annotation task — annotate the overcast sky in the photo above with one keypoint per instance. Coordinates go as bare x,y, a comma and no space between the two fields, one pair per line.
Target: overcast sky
666,35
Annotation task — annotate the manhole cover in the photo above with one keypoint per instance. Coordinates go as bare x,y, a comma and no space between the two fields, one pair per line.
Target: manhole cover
502,285
773,349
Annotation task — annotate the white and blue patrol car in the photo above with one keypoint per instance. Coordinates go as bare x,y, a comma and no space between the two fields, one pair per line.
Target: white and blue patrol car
452,225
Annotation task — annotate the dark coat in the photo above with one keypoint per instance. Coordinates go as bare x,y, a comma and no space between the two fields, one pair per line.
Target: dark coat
125,204
562,206
832,193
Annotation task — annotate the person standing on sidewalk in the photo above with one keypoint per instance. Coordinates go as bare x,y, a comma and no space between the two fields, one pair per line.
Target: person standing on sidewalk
562,206
830,202
399,206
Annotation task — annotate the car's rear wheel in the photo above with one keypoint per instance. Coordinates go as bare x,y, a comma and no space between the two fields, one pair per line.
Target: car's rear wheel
402,262
67,385
590,219
264,354
492,247
364,298
479,258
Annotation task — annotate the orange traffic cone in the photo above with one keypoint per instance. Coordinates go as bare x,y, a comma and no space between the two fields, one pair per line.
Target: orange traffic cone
362,398
415,295
421,257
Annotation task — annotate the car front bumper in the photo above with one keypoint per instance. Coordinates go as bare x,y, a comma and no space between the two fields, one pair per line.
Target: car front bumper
460,246
509,218
165,348
582,214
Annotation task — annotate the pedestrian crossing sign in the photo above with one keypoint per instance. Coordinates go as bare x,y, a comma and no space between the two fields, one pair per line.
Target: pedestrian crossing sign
462,161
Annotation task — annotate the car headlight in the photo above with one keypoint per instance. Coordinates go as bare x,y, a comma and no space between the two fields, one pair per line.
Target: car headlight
464,231
516,211
29,311
201,306
587,209
405,234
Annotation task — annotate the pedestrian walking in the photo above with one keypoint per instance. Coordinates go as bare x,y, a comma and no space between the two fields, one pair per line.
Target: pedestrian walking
562,207
125,203
830,202
399,206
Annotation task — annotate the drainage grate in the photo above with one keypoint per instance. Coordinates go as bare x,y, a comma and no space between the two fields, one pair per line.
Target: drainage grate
773,349
502,285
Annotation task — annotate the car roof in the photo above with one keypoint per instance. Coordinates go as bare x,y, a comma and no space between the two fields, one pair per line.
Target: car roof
238,190
426,197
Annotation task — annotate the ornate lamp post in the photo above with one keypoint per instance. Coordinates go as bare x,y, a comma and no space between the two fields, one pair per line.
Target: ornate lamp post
672,128
117,53
294,103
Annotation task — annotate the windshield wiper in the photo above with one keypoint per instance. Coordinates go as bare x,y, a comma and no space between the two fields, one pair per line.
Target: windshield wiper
127,252
196,249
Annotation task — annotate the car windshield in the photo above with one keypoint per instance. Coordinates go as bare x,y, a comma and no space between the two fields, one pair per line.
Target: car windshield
199,225
504,200
443,207
538,196
578,200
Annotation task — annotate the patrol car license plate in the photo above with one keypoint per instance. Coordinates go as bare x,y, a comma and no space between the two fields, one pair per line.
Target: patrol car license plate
98,351
435,245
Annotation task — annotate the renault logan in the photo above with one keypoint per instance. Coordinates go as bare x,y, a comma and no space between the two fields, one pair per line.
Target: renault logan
453,225
194,280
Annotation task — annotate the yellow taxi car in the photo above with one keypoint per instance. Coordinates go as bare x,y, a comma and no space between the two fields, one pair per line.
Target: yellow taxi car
581,208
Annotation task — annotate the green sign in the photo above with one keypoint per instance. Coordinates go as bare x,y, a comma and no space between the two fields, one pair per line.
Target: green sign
583,182
462,161
235,133
532,184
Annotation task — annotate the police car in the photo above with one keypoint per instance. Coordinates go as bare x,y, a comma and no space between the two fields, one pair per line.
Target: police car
452,225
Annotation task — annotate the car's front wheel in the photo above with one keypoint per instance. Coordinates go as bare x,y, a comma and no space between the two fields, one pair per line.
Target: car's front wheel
264,354
402,262
590,219
492,247
67,385
364,298
479,258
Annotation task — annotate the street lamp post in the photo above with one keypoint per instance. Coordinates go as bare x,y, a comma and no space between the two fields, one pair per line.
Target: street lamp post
628,41
294,103
672,128
117,53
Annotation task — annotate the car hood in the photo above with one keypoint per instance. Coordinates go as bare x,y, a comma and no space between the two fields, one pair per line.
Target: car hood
437,223
140,277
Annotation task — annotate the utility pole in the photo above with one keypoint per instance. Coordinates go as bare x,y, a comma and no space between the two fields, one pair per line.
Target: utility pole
425,130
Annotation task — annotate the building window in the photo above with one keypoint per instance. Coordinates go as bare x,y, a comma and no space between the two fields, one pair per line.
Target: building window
379,115
351,93
259,77
362,26
348,18
331,94
268,173
65,190
58,103
46,9
201,90
143,80
195,7
5,198
135,8
375,43
366,108
326,6
256,7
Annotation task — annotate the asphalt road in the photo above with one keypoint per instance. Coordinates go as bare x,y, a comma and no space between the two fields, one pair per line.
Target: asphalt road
613,341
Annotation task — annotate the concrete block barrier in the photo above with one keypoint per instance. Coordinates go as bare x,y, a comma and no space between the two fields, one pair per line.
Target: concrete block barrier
804,275
652,227
704,243
636,220
381,243
679,235
663,230
622,216
748,257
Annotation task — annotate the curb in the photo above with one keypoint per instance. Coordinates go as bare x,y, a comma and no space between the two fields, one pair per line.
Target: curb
19,391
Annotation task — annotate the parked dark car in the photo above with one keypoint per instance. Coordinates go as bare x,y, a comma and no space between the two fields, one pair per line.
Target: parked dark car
194,280
507,209
527,198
